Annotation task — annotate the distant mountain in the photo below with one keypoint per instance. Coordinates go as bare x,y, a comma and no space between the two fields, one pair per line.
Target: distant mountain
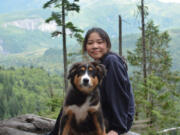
18,40
52,58
25,39
104,13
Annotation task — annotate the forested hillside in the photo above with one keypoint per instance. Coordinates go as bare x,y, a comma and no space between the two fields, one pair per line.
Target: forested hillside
29,90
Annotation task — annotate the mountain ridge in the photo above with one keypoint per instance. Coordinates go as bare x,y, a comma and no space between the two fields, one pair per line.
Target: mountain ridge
25,30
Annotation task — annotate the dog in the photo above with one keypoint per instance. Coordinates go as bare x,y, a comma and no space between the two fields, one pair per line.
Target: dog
82,114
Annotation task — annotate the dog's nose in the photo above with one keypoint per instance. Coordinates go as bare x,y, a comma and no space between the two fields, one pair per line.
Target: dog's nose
85,80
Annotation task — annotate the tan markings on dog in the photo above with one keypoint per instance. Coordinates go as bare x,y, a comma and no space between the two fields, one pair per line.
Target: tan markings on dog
83,68
98,127
77,82
104,132
67,126
99,131
90,69
81,112
94,81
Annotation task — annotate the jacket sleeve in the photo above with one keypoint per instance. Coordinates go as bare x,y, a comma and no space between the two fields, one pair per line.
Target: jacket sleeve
118,91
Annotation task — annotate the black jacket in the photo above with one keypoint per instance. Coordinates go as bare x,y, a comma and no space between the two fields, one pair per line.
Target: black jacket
116,94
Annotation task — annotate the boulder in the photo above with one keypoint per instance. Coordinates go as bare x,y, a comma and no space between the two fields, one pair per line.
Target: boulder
28,124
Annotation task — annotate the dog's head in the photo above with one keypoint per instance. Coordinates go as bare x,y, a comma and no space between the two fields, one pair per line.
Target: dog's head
86,76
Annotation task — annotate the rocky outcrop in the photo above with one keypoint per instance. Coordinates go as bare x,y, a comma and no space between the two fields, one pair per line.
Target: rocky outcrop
28,124
33,24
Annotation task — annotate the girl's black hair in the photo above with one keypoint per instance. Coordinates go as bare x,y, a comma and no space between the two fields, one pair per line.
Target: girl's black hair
101,33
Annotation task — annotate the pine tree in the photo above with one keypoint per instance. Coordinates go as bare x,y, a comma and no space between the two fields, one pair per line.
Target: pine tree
61,10
160,103
143,10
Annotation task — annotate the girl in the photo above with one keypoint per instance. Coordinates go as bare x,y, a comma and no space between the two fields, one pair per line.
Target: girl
117,98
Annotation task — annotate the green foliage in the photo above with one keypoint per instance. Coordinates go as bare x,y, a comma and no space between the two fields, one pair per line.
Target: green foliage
146,13
29,90
58,15
158,99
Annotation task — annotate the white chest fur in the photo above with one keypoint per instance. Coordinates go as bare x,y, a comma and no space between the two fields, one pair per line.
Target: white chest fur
81,112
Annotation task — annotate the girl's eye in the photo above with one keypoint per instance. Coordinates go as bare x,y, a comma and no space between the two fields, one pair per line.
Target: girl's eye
89,43
100,42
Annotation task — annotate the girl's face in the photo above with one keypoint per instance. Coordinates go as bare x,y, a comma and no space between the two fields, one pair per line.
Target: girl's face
96,47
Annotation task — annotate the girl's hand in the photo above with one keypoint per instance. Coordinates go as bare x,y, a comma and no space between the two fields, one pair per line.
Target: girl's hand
112,132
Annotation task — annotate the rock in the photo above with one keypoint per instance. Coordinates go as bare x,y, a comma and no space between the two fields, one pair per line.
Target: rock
28,124
131,133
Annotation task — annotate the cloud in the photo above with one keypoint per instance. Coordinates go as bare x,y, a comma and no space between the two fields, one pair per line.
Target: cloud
170,1
89,2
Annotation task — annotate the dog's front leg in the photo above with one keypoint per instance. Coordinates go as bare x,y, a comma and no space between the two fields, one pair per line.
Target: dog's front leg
65,123
98,122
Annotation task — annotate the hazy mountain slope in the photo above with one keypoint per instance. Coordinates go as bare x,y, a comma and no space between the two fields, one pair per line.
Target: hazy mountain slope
52,59
23,31
105,13
174,47
16,40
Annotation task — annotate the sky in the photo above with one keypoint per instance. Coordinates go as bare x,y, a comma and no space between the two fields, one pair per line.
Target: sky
170,1
165,1
128,1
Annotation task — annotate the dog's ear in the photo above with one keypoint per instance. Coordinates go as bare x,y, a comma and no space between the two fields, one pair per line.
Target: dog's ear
72,70
100,68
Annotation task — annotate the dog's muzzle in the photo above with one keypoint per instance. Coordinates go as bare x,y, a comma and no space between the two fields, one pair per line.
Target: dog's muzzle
86,82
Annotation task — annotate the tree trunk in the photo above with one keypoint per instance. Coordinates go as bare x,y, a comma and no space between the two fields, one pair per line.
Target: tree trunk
144,53
120,36
51,95
143,42
150,96
64,47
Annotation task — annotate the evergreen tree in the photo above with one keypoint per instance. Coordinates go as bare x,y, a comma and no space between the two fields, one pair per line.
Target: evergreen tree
61,10
23,90
143,10
158,99
8,104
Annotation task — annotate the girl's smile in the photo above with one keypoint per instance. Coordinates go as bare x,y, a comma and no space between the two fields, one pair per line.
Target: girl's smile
96,47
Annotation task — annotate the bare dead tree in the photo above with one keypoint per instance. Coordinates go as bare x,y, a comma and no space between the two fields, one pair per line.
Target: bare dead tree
120,36
143,42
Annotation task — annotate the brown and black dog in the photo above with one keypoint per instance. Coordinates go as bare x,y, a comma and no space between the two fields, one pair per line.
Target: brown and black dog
82,114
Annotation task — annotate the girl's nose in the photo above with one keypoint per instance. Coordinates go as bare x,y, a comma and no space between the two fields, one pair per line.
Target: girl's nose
95,45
